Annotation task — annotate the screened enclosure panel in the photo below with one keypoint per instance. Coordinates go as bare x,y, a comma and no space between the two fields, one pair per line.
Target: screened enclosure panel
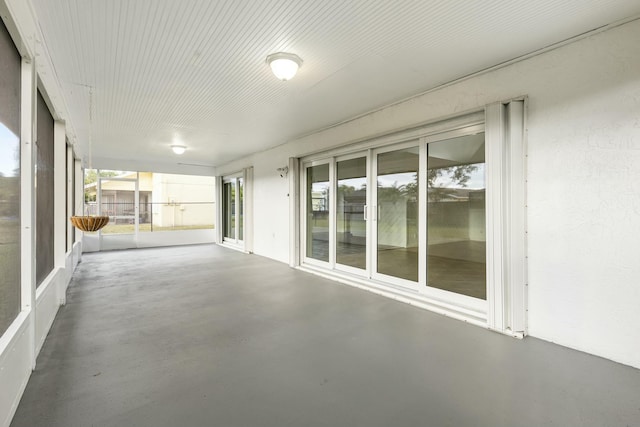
44,192
10,64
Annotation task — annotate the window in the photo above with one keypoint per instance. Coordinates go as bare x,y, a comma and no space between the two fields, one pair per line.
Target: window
9,180
147,202
44,192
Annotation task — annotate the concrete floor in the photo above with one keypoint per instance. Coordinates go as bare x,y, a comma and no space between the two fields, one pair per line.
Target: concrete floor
206,336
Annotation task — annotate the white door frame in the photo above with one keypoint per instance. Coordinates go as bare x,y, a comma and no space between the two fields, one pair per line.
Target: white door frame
374,215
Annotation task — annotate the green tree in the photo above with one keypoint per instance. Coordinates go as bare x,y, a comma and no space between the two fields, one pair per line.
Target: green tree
91,175
459,175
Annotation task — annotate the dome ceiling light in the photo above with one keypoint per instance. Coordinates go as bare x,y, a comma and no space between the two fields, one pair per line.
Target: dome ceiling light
284,65
178,149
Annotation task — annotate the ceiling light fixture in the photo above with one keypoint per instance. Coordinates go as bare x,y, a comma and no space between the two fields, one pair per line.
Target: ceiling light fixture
179,149
284,65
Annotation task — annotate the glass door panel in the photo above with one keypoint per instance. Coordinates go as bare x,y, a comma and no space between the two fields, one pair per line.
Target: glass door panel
397,213
317,196
456,233
351,225
229,208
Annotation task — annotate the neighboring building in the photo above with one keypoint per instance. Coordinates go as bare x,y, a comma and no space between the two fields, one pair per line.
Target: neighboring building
165,200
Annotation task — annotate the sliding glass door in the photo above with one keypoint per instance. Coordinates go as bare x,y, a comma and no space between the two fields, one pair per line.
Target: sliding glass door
351,213
232,209
317,196
396,214
456,230
410,214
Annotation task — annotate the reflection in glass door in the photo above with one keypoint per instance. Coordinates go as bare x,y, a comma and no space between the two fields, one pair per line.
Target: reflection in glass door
456,231
351,225
396,213
317,196
232,209
229,208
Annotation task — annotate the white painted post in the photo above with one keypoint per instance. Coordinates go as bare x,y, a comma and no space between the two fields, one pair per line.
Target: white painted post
79,201
494,157
218,210
294,212
70,202
27,199
517,181
248,209
59,200
506,217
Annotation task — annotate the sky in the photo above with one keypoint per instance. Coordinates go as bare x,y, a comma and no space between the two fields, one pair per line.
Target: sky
476,180
9,151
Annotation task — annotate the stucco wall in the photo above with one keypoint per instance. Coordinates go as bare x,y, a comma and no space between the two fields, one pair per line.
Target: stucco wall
182,200
583,183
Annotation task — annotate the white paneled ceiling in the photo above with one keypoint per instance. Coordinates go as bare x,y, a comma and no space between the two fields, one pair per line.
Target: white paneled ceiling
194,71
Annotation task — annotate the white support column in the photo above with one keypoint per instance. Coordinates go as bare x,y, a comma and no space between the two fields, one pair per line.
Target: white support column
495,200
59,201
78,207
294,212
27,198
78,203
218,210
248,209
517,202
70,202
506,217
59,191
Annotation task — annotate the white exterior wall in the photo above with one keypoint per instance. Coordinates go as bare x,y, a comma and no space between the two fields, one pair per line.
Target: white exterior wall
583,183
172,194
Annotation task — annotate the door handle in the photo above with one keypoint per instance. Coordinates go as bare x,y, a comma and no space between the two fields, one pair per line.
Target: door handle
364,212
